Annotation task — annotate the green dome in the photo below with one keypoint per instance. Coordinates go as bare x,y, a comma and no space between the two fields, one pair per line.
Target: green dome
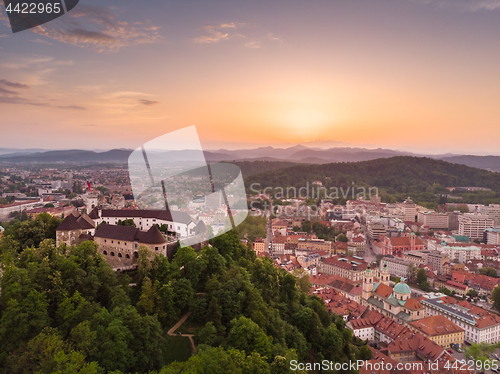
402,288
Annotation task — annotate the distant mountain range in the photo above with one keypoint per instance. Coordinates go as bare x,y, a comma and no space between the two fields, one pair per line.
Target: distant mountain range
297,154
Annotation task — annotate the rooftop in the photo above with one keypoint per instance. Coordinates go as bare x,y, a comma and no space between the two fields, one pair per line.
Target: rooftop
436,325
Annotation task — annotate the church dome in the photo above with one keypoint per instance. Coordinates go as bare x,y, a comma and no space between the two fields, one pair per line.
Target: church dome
402,288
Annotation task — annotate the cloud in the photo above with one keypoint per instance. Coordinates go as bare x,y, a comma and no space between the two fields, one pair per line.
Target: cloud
254,35
254,44
74,107
275,38
7,83
41,41
8,96
99,29
3,35
3,17
5,91
464,5
215,34
19,100
148,102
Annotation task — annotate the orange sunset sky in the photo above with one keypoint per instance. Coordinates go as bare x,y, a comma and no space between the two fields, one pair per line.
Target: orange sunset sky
417,75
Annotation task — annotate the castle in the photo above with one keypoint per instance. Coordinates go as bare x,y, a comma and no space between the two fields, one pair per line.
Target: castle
119,244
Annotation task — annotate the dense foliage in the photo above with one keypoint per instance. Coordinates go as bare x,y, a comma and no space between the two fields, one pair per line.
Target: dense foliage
255,167
252,227
64,310
424,179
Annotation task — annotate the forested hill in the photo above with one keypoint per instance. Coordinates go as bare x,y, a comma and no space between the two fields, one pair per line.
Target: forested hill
64,310
402,173
255,167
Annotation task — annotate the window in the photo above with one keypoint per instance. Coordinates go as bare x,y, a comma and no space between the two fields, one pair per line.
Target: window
119,255
156,248
105,253
112,254
127,256
105,240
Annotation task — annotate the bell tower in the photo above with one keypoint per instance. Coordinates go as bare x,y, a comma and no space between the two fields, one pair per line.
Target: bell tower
385,276
412,241
367,283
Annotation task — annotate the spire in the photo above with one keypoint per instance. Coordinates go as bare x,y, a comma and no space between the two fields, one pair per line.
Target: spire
368,268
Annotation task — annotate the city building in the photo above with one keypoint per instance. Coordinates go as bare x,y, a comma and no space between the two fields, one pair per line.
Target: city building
492,211
75,229
479,325
409,210
375,230
175,221
120,244
397,267
474,224
397,245
374,326
433,220
314,244
461,253
278,245
352,268
259,245
6,210
417,348
438,260
492,236
395,303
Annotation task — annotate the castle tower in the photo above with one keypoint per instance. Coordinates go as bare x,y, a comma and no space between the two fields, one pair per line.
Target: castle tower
385,276
91,200
367,283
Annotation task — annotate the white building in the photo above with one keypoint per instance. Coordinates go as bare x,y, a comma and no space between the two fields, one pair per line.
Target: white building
178,222
461,253
8,209
433,220
493,236
397,267
409,210
479,325
473,225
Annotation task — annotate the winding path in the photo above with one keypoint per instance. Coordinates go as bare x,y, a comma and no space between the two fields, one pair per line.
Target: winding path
183,319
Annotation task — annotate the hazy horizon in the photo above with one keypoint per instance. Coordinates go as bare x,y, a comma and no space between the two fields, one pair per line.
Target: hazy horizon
282,146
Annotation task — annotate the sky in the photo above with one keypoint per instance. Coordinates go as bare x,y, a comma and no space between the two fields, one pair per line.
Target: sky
416,75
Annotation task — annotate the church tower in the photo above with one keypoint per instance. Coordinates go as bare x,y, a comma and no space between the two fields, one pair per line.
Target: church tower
367,283
385,277
412,241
